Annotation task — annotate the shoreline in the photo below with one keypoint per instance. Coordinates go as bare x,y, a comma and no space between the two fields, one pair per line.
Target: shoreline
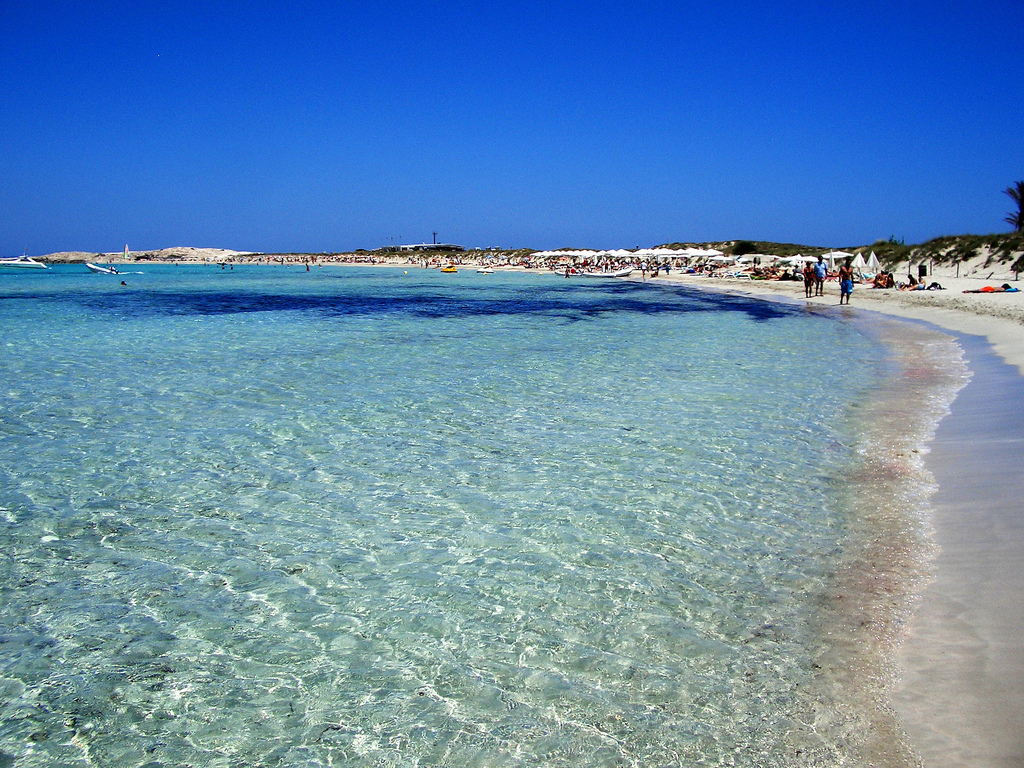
959,693
969,612
998,317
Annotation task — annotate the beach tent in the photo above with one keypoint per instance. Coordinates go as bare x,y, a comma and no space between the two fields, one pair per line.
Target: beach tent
858,265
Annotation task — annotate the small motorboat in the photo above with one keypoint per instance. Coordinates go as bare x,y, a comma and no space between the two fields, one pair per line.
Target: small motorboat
99,269
486,270
619,273
449,268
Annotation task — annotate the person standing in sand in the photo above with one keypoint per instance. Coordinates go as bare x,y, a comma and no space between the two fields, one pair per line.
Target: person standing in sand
845,282
808,279
820,273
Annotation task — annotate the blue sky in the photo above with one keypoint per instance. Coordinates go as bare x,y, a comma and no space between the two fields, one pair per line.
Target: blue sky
306,127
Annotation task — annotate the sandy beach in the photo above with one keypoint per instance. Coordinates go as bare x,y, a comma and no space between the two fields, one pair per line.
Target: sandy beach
961,694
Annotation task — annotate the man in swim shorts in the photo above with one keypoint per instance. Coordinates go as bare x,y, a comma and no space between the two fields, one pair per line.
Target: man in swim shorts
845,282
820,273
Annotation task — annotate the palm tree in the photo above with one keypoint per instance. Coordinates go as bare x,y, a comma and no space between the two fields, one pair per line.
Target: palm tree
1016,193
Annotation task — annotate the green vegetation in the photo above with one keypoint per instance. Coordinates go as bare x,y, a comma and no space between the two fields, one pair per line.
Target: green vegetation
997,249
889,252
753,246
1016,218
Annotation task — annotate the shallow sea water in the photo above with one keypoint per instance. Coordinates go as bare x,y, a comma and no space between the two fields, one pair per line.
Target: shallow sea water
387,517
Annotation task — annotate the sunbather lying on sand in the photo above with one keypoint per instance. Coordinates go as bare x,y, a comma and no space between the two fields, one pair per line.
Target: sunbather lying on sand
1004,288
914,285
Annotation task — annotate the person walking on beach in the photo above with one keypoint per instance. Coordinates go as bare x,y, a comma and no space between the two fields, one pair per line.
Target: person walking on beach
808,279
820,273
845,282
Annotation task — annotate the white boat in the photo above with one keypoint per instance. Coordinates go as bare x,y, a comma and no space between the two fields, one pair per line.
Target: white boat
111,270
22,262
618,273
486,270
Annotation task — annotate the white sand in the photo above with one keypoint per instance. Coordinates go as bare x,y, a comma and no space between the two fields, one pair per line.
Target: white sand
962,693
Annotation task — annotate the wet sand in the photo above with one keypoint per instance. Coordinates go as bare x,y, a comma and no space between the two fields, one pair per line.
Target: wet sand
962,693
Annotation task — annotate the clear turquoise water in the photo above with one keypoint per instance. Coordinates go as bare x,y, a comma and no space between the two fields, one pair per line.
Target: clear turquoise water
386,517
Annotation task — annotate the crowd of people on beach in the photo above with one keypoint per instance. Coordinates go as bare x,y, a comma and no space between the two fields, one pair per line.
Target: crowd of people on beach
813,273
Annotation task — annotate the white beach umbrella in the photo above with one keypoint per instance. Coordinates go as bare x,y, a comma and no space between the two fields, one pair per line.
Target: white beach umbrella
666,254
833,256
858,264
873,264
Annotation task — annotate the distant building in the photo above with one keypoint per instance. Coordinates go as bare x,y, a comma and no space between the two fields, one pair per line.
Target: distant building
432,247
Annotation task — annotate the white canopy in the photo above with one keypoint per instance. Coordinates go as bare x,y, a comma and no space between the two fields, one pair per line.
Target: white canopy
676,253
640,253
833,256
